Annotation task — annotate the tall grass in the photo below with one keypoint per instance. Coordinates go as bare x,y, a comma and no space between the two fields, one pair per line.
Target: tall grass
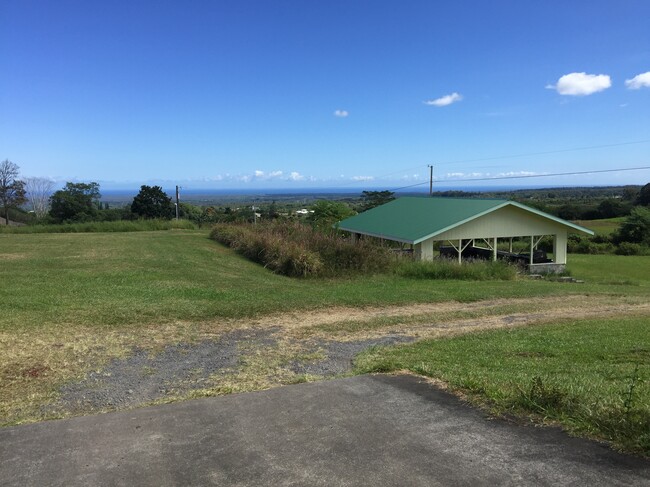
114,226
475,270
296,250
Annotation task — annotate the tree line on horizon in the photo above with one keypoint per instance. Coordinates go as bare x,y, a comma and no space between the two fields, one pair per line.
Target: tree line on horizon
81,202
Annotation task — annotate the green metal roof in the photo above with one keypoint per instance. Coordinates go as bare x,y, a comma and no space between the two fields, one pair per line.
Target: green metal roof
413,219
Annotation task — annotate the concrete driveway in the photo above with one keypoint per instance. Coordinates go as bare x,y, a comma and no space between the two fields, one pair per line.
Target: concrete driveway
369,430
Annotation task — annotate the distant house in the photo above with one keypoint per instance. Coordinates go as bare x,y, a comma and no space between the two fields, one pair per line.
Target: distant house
465,224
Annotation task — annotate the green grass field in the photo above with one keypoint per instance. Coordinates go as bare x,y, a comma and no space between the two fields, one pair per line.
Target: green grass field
142,278
602,227
73,301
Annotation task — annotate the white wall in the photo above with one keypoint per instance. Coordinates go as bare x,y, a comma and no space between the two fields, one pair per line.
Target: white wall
509,221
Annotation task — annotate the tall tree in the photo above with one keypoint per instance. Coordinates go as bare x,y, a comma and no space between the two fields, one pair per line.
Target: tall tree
327,213
12,190
38,193
152,202
636,227
644,196
75,202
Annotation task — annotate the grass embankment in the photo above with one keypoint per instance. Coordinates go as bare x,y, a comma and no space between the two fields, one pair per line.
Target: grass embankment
593,377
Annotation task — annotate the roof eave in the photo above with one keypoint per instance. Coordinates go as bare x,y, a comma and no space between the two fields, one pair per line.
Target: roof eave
378,235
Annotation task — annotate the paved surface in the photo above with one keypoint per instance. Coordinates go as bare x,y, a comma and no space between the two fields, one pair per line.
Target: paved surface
370,430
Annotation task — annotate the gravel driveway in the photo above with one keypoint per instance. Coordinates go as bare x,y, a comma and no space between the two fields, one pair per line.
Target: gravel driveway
144,377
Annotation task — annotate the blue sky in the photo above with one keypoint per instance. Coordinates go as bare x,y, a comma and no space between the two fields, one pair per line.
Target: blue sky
350,94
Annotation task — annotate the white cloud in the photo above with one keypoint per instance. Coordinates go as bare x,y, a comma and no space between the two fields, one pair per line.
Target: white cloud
581,84
410,177
296,176
467,174
362,178
266,176
341,113
639,81
443,101
475,175
517,173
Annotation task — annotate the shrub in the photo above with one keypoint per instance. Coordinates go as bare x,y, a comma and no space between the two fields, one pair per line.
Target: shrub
629,248
589,245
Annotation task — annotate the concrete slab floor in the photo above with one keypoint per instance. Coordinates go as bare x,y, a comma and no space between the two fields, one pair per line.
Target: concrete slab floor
368,430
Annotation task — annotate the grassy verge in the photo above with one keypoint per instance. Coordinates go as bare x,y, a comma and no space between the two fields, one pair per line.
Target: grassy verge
592,376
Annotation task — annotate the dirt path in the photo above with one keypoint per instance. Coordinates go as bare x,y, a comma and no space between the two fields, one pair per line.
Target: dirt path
78,371
275,350
536,309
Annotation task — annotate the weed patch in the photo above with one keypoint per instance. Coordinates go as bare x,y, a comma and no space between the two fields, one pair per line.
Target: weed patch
297,250
468,271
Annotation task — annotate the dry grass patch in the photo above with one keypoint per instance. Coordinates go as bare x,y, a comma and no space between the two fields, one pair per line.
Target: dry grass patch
33,367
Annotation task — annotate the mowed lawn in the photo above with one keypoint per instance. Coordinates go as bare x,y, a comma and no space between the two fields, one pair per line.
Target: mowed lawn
605,226
145,278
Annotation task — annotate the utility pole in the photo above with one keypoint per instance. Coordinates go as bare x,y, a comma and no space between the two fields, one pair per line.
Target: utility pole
430,180
177,202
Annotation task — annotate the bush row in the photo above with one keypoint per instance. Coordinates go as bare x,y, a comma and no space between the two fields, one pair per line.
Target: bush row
600,244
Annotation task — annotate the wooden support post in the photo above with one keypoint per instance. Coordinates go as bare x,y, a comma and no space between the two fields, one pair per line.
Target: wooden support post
460,251
555,249
494,250
510,248
532,248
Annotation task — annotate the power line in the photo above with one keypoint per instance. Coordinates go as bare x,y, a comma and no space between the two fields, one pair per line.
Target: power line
527,176
512,156
575,173
410,186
